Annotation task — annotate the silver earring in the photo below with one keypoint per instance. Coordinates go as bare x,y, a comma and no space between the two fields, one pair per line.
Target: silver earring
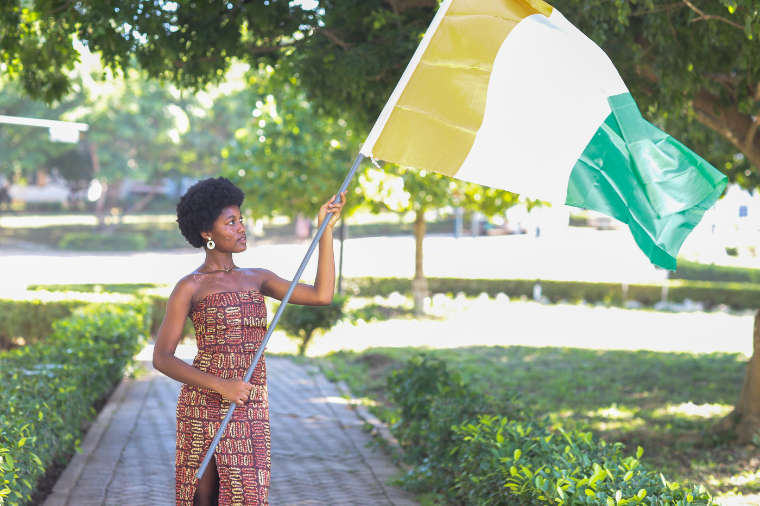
210,244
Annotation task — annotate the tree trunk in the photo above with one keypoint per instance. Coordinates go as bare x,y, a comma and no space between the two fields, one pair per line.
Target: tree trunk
100,205
419,283
137,206
744,421
737,128
304,343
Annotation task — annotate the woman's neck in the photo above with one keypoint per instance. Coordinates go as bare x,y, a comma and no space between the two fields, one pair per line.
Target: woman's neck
219,261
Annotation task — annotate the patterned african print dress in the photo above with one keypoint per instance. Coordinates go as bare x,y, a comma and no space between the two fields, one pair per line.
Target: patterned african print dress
229,328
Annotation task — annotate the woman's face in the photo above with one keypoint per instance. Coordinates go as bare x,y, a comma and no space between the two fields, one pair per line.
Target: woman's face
228,231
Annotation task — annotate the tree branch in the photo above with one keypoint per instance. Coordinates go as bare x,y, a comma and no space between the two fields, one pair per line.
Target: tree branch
702,16
330,34
729,123
399,6
59,9
751,133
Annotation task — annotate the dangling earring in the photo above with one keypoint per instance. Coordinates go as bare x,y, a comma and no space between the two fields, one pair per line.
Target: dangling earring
210,244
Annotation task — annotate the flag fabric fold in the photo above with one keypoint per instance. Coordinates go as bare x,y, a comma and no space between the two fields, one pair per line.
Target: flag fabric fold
509,94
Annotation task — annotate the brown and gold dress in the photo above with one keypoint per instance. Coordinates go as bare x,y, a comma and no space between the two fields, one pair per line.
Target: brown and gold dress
229,328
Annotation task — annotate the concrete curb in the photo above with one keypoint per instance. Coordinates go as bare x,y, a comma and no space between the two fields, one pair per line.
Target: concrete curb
60,494
379,429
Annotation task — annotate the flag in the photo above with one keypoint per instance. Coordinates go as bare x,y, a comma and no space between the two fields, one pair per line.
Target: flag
509,94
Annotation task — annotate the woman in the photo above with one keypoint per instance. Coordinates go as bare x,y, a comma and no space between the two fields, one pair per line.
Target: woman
226,305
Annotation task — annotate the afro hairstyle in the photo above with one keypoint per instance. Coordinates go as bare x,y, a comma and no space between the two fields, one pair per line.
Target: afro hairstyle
201,205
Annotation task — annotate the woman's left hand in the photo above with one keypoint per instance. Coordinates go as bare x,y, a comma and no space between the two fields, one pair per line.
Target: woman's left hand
332,207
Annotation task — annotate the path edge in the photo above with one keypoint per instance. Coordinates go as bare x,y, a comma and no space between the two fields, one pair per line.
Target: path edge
374,426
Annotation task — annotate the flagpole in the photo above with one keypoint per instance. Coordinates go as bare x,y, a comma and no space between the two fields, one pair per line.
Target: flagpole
285,299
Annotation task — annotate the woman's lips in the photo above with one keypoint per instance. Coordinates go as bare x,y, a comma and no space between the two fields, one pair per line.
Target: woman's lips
243,239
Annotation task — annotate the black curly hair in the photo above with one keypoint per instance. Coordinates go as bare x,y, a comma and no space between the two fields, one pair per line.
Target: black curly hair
201,205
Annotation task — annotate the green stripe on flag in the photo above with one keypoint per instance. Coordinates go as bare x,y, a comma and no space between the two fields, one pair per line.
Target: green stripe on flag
674,177
605,179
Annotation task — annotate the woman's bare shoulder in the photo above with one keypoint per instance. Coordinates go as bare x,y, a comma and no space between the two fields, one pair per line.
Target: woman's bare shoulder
190,284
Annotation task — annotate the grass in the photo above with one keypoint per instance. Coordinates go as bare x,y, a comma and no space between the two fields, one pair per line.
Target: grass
664,402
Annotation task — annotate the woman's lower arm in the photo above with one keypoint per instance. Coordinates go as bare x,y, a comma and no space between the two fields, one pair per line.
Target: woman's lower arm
183,372
325,280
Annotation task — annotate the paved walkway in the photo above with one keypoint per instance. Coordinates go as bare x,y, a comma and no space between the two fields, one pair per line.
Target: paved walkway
319,450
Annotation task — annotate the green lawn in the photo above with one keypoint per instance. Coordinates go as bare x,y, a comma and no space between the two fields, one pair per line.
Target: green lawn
664,402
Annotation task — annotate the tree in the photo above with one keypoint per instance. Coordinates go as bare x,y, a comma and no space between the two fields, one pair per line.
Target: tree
690,64
289,156
304,321
410,190
140,129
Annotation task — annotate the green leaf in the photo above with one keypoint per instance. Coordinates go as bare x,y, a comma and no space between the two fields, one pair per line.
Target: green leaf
518,453
639,452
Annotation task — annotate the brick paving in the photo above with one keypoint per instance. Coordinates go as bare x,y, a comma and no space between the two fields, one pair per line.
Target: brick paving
320,454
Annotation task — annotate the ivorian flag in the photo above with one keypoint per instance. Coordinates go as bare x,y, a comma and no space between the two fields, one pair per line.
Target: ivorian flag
509,94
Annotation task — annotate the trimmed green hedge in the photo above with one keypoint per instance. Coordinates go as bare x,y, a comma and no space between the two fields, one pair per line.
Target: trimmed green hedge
476,450
130,288
736,295
710,272
49,389
31,320
95,241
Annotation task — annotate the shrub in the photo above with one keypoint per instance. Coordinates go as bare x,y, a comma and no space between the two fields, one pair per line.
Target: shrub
480,451
95,241
430,402
710,272
130,288
49,389
30,320
523,462
301,322
736,295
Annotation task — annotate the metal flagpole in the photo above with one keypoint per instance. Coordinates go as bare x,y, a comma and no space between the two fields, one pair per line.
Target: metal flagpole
260,351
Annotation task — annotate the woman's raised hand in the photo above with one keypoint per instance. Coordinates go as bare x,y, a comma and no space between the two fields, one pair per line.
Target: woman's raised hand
332,207
235,390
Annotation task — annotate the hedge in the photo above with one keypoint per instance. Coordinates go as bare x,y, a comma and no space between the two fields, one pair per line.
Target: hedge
130,288
49,389
711,272
31,320
736,295
95,241
476,450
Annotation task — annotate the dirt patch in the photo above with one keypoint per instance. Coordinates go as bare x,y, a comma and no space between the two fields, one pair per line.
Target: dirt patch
375,360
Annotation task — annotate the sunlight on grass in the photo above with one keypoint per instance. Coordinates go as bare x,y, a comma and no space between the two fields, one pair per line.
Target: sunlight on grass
691,410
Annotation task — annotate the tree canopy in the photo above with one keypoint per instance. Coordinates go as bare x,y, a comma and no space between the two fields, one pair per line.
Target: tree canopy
288,156
689,63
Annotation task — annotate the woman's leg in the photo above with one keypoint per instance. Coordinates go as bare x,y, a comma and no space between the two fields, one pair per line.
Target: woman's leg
207,491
